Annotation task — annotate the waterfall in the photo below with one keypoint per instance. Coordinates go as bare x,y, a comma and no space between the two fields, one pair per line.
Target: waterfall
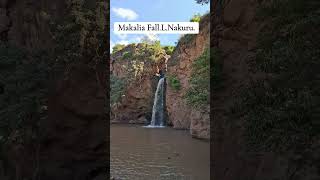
158,106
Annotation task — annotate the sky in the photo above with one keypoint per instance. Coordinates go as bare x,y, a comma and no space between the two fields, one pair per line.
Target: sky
152,11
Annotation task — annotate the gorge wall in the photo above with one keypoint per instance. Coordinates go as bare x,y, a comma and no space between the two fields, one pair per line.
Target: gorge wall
133,75
250,113
134,83
69,141
182,115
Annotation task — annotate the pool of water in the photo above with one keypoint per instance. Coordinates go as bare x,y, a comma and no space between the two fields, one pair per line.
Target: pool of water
139,153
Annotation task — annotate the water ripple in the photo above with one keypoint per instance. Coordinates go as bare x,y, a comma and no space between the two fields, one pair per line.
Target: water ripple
139,153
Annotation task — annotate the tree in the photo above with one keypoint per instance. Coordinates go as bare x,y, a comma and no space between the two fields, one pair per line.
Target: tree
117,48
203,1
196,18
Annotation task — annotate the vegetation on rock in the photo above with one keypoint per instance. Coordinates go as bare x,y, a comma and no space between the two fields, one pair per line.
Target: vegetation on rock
23,78
174,82
117,48
169,49
196,18
117,86
198,93
283,111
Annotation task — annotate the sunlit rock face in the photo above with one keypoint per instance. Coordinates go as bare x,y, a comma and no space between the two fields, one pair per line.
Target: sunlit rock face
180,114
140,79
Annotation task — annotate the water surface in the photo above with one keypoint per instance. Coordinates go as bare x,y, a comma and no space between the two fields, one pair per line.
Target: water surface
139,153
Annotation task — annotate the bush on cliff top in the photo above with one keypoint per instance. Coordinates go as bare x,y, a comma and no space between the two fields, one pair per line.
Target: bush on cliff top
169,49
117,48
196,18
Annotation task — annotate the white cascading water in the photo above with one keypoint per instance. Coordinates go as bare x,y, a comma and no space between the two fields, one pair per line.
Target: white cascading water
158,108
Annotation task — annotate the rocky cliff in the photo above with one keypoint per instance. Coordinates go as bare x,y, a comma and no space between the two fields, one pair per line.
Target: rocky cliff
181,114
69,140
133,80
253,115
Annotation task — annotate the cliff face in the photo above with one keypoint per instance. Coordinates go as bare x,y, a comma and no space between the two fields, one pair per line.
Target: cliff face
235,31
71,142
137,72
181,114
241,38
25,23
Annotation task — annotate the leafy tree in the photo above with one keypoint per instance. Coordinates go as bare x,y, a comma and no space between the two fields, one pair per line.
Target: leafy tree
117,48
169,49
196,18
202,1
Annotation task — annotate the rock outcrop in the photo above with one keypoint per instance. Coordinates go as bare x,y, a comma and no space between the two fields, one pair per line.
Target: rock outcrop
180,114
234,33
139,76
25,23
72,141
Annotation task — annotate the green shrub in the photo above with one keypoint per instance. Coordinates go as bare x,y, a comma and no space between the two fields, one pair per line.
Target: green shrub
117,86
282,112
198,93
196,18
117,48
23,79
169,49
127,55
174,82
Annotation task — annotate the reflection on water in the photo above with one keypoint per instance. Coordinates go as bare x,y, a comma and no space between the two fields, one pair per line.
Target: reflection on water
139,153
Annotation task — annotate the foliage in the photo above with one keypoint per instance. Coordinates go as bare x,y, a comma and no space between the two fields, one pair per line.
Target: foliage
282,112
202,1
117,86
117,48
196,18
198,93
156,51
127,55
23,77
174,82
149,52
79,36
169,49
187,38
